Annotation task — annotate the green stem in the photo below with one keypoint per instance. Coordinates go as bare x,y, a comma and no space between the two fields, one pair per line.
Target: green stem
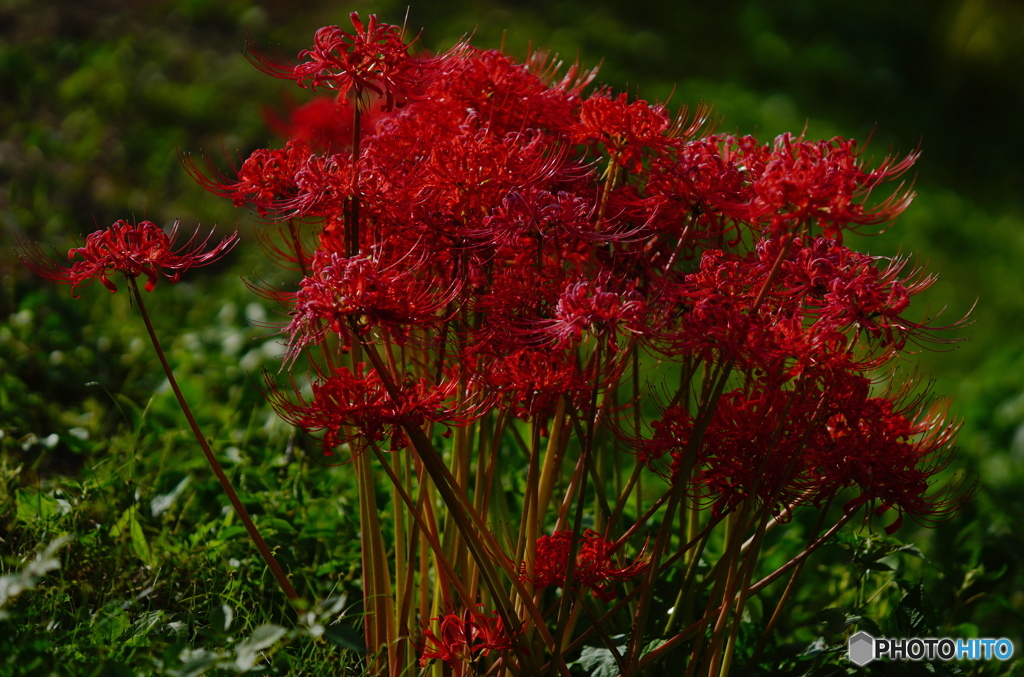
236,503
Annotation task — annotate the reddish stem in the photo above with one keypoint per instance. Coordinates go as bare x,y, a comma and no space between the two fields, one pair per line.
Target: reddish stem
225,483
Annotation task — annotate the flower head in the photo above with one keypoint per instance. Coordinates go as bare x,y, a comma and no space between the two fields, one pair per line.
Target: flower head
824,182
132,249
624,129
594,568
353,405
339,289
372,59
464,637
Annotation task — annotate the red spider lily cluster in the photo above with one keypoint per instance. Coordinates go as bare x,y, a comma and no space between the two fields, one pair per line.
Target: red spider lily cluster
496,243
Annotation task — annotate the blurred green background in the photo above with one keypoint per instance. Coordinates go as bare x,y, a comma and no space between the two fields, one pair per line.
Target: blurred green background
97,98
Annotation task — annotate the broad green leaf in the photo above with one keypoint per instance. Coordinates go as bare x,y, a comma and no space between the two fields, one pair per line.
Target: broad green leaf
247,653
347,638
35,505
112,622
221,616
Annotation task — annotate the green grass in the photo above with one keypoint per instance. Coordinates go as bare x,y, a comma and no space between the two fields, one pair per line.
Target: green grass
155,574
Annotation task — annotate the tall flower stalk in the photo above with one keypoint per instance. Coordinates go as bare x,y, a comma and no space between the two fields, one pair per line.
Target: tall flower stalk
144,249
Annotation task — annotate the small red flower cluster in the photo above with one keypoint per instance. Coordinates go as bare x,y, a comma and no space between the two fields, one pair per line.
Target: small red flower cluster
373,59
464,637
132,249
517,241
593,567
349,406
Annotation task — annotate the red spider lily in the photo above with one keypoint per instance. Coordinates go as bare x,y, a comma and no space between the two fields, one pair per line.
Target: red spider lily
846,289
510,95
265,179
823,183
323,186
342,292
468,172
541,314
825,304
624,129
892,456
752,447
464,637
496,240
351,406
374,59
529,214
602,306
132,249
529,382
697,188
633,132
594,568
803,445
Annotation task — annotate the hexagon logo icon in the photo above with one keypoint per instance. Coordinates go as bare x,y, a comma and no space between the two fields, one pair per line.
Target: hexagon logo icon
862,648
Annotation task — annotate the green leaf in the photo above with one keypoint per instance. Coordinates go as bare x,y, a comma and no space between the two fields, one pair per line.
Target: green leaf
347,638
914,616
247,653
652,645
232,532
221,616
34,505
195,662
139,543
128,522
834,620
275,524
598,661
111,625
143,625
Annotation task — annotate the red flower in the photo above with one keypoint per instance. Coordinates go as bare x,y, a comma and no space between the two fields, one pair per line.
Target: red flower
789,447
340,289
594,568
469,173
529,381
512,96
826,305
348,405
464,637
372,59
265,180
695,193
324,123
892,455
823,182
625,129
132,249
602,306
